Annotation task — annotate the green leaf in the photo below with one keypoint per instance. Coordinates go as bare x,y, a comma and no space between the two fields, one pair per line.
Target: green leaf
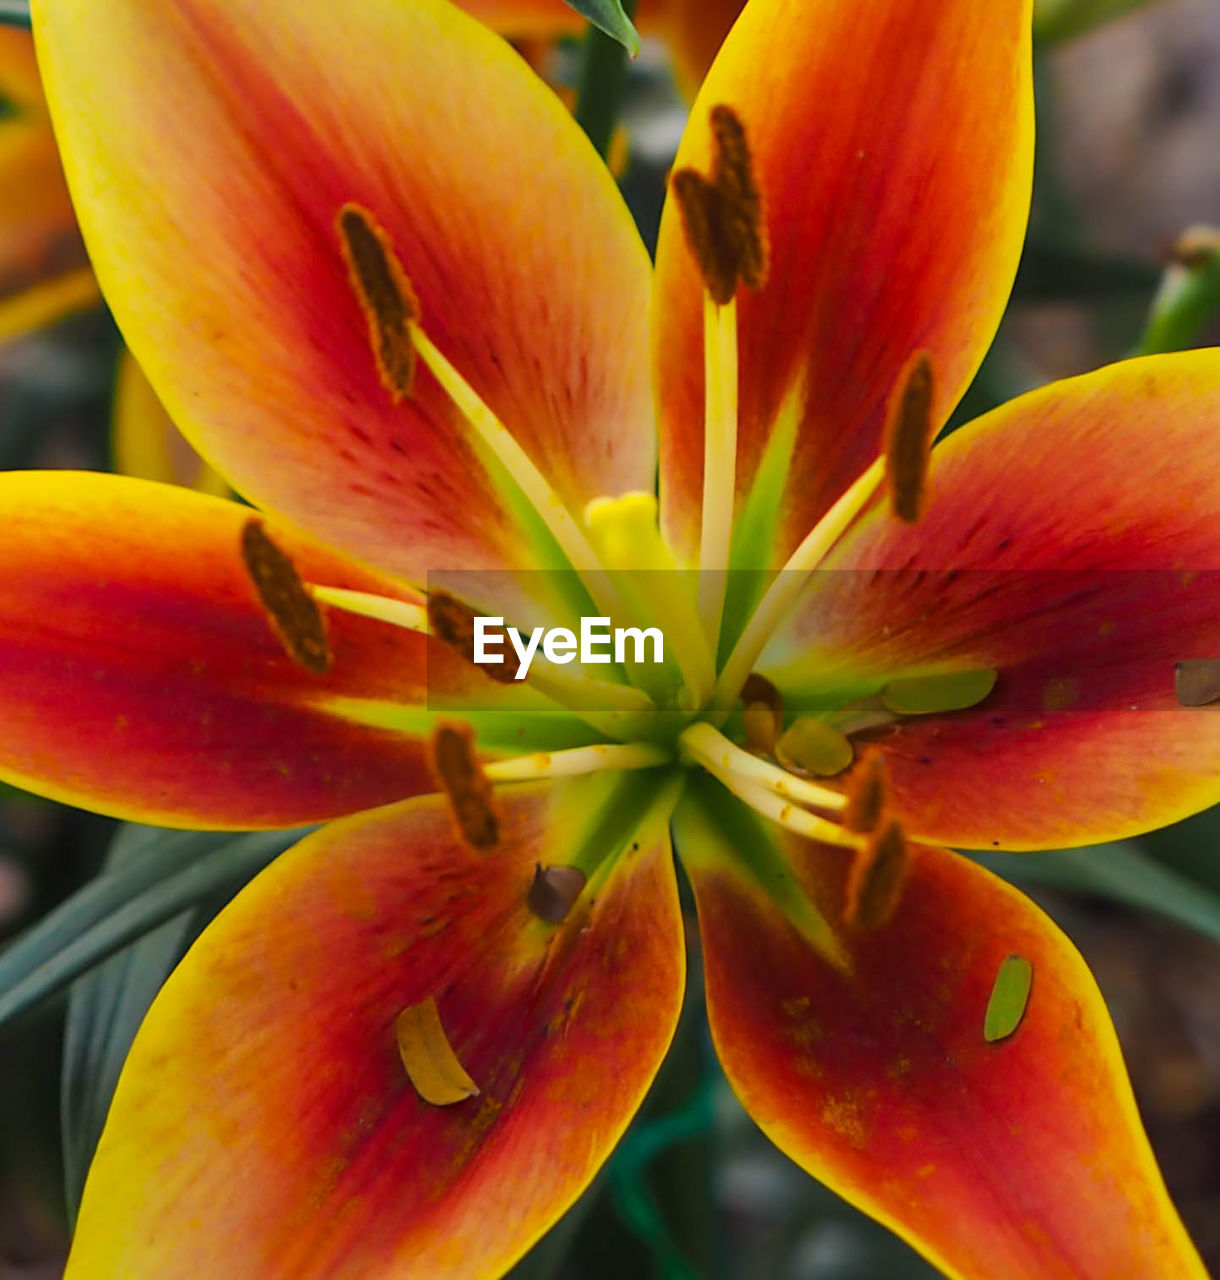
151,875
107,1004
105,1009
1119,871
610,16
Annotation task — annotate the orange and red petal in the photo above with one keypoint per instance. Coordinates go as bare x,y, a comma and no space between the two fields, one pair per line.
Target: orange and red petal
142,678
225,269
1022,1158
1071,542
264,1123
892,145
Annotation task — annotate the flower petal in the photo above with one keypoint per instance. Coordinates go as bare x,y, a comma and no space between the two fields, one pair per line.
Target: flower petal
146,443
224,265
1018,1157
142,679
1072,542
264,1123
893,146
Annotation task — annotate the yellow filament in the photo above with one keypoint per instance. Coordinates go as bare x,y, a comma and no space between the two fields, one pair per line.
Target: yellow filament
787,586
710,748
517,463
786,814
578,760
398,613
719,458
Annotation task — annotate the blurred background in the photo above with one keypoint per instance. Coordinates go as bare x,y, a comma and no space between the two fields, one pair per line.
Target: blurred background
1129,161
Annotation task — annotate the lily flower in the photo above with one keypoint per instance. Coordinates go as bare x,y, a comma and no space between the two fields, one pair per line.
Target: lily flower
382,282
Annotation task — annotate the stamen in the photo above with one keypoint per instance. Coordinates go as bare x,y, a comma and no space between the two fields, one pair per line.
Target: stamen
554,892
761,728
385,296
519,466
878,873
428,1057
1196,681
814,747
291,610
723,218
787,585
1009,998
615,709
398,613
867,791
452,623
719,460
722,758
787,815
763,715
598,758
908,438
948,691
465,785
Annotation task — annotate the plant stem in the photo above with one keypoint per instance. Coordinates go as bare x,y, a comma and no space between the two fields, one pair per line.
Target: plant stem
603,72
1188,298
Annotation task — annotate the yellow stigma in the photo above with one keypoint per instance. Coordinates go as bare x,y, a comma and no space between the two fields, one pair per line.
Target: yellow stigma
293,613
385,296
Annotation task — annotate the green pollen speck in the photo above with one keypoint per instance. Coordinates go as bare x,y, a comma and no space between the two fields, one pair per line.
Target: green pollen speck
926,695
1009,998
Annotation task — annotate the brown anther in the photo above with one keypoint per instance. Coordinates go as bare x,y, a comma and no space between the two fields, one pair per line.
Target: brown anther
722,216
465,785
1197,681
867,791
452,623
1195,247
909,428
293,613
553,892
764,713
385,296
877,876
